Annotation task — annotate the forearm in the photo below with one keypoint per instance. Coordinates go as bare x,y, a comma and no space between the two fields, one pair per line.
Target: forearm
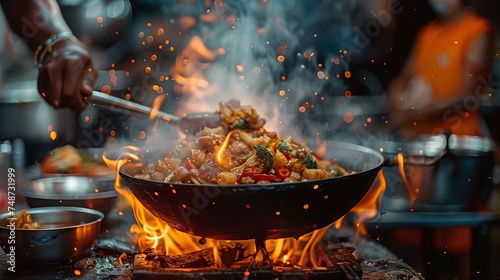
34,20
434,110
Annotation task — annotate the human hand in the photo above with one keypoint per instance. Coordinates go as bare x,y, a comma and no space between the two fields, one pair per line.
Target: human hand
67,76
417,95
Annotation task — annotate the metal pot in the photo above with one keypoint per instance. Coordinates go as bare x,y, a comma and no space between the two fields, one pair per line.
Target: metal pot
25,115
441,173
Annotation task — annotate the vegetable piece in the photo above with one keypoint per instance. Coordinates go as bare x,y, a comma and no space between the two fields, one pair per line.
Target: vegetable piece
287,155
283,173
247,138
338,170
285,146
259,176
297,166
227,178
280,159
316,174
309,161
239,123
265,156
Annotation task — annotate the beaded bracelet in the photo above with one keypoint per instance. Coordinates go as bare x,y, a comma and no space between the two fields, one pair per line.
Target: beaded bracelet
47,46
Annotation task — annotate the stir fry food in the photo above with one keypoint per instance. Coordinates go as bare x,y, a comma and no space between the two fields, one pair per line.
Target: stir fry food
25,221
239,151
71,161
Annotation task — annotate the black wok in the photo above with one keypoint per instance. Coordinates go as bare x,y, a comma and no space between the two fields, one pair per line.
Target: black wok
268,211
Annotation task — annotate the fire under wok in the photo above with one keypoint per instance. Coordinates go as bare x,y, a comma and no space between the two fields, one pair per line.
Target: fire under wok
259,211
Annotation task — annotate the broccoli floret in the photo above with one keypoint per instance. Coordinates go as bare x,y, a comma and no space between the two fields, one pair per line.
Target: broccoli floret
240,123
284,146
309,161
265,156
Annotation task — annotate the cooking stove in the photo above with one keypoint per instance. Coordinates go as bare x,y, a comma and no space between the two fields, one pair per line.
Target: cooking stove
339,263
344,256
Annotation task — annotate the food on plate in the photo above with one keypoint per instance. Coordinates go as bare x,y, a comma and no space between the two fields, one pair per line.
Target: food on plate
25,221
71,161
239,151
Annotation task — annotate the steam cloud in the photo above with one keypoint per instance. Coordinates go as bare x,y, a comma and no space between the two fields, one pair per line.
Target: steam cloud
286,58
282,57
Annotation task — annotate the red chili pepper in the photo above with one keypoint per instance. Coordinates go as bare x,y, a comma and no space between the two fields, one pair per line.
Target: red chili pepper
258,176
287,155
283,173
264,177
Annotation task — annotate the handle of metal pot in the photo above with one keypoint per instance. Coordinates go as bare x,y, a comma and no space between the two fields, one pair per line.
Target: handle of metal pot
120,105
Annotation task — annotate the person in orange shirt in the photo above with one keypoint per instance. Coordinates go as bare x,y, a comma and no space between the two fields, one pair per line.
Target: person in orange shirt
439,89
444,77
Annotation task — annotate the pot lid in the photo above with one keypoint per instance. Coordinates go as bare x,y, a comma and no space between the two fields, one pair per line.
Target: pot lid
434,146
466,145
424,146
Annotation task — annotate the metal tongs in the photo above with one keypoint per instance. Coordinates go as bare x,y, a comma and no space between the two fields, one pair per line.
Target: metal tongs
189,124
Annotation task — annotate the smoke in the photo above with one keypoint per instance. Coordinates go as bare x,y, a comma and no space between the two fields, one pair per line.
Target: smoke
282,57
289,59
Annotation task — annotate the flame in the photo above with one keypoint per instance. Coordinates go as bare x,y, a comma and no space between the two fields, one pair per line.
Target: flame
368,207
412,195
156,106
222,148
151,232
190,80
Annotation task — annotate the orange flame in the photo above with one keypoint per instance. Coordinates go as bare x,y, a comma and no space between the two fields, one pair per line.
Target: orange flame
156,106
190,80
412,195
222,148
151,232
368,207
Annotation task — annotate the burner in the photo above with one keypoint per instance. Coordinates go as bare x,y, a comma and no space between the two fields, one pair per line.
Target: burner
339,261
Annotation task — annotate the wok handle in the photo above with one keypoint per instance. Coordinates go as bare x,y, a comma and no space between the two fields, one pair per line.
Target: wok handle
120,105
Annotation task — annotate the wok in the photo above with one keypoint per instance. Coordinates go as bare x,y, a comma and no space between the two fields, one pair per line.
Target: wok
259,211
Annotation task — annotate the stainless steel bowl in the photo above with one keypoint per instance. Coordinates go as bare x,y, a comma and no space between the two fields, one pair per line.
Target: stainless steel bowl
77,191
68,232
